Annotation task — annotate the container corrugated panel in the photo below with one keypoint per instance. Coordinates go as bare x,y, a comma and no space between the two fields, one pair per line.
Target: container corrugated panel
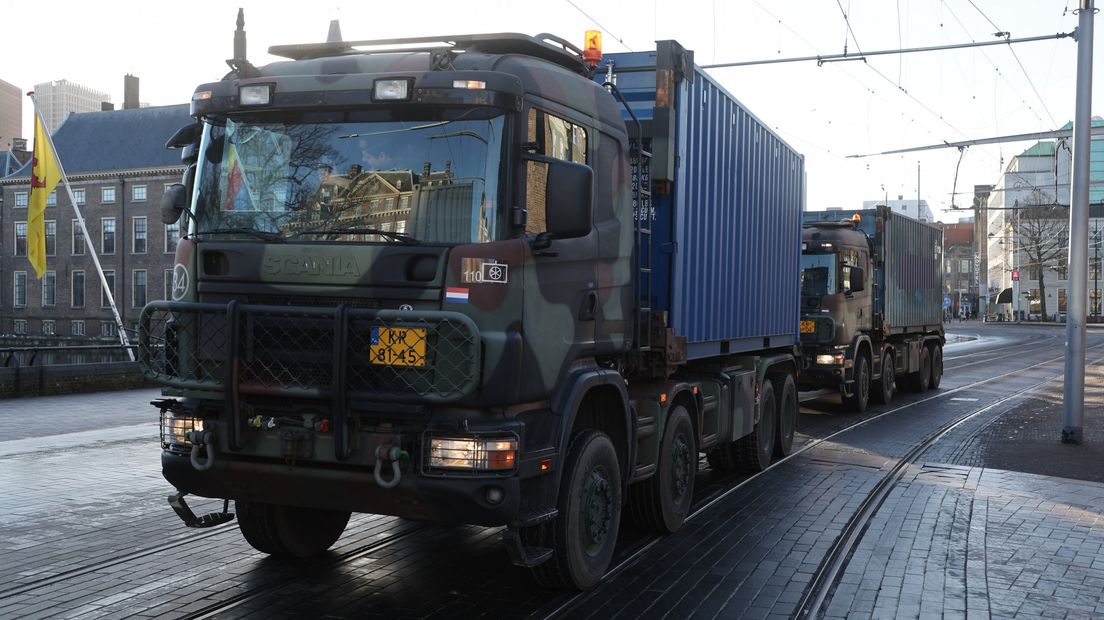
913,273
727,238
739,194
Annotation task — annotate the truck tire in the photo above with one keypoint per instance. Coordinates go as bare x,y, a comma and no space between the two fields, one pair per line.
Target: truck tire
860,388
788,408
883,388
936,365
584,534
662,502
289,531
753,452
918,381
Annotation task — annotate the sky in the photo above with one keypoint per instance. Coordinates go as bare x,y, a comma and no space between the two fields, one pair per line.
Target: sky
826,112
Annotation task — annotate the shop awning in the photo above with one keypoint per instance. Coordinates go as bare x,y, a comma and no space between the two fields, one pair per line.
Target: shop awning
1005,296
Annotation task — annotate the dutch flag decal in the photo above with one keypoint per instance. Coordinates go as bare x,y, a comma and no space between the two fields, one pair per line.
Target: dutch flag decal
456,295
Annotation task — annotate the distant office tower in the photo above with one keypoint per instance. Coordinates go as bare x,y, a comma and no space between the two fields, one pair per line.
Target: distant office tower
130,92
57,100
11,114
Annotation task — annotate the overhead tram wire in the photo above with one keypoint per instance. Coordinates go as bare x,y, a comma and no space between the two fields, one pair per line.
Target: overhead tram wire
1006,35
596,23
996,68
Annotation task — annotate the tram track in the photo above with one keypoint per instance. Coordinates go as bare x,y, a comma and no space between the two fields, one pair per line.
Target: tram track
834,562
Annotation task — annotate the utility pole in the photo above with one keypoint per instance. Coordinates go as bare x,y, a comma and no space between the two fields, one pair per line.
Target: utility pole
1073,409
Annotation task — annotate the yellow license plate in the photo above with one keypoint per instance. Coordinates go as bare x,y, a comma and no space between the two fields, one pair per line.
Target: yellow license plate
808,327
398,346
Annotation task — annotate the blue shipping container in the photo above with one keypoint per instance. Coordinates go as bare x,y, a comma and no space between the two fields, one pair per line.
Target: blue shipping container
728,197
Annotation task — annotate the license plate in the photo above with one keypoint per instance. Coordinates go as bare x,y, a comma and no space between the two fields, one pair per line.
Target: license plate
808,327
398,346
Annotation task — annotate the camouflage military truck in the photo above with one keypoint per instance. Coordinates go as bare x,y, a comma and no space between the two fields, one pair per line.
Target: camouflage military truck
474,279
871,304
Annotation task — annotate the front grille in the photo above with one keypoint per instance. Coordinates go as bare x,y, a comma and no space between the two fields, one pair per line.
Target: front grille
403,356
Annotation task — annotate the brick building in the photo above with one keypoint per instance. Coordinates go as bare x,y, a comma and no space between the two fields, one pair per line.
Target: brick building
118,167
961,272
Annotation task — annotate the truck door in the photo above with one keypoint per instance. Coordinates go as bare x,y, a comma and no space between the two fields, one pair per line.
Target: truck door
858,305
561,296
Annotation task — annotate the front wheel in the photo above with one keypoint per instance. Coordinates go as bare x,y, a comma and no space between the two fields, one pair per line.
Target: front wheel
860,389
583,535
289,531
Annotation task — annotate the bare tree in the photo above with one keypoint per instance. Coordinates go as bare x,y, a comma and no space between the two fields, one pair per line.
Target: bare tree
1042,229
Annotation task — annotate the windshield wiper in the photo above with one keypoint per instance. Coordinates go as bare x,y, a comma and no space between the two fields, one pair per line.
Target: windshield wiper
259,234
395,236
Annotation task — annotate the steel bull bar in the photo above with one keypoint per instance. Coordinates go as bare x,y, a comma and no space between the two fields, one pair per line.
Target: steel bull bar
336,353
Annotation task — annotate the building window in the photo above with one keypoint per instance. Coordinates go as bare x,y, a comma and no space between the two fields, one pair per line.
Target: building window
51,237
138,193
77,328
78,195
138,288
51,200
139,235
78,239
76,289
49,289
1061,300
107,235
49,327
20,293
105,299
172,235
107,194
168,284
21,200
107,329
21,238
20,327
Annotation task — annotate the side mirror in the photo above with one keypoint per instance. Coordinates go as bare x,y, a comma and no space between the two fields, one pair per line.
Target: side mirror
173,202
569,199
858,279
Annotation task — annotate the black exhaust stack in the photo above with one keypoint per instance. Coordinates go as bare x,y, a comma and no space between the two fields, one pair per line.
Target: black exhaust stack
239,63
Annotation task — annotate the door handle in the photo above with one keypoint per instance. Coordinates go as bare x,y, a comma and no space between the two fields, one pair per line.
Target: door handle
589,306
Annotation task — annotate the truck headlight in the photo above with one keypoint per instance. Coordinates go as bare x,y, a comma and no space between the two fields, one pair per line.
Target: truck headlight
174,427
391,90
473,453
830,359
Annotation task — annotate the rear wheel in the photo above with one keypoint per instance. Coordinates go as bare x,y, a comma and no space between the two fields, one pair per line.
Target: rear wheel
753,452
289,531
918,381
584,533
883,388
936,365
860,388
786,389
662,502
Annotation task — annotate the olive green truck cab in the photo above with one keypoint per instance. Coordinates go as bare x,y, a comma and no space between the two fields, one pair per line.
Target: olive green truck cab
871,304
433,278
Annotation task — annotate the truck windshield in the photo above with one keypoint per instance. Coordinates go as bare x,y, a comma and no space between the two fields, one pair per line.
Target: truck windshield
340,180
818,274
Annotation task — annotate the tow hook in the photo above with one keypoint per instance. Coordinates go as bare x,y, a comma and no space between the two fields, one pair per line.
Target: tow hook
188,517
392,454
202,439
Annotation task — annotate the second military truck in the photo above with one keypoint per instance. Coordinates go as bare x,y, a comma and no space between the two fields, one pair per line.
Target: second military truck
478,279
871,304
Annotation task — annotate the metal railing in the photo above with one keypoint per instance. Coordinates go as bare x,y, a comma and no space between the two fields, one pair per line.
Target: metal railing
54,355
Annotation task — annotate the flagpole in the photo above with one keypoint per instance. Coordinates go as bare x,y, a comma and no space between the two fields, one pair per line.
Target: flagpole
123,340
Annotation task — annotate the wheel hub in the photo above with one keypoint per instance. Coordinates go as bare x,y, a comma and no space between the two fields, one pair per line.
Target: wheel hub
680,459
597,508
